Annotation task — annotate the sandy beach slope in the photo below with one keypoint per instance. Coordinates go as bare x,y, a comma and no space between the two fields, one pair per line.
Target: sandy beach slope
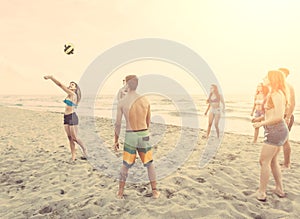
37,179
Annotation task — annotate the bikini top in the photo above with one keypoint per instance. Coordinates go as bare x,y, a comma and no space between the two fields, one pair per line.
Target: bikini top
214,100
69,103
259,102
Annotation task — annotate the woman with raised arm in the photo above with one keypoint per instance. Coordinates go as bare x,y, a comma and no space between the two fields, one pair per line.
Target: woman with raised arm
276,133
214,107
70,116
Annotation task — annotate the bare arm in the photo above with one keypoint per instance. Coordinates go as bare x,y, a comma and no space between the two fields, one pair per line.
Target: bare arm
253,108
258,119
292,103
207,109
118,126
119,95
63,87
148,117
222,101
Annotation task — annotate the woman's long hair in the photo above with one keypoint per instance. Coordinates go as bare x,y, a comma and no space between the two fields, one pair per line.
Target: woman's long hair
265,89
277,83
77,92
216,92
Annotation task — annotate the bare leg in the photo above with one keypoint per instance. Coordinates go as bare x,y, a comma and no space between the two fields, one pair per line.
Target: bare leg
287,155
73,151
123,177
267,154
73,131
152,179
217,119
72,143
210,121
256,132
277,175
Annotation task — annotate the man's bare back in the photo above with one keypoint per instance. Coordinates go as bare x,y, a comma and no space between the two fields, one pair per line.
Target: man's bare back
136,110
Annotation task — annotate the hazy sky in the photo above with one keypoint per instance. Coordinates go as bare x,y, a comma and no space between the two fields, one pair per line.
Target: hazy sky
239,39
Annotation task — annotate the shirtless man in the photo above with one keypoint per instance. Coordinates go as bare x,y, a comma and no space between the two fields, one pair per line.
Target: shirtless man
136,110
289,119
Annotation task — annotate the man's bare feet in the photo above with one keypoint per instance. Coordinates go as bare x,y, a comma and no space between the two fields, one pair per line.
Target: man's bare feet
155,194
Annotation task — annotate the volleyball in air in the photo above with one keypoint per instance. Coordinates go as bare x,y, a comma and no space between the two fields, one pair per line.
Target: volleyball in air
69,48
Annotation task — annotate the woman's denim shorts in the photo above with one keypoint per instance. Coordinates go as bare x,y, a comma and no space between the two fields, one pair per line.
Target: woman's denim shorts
276,134
259,113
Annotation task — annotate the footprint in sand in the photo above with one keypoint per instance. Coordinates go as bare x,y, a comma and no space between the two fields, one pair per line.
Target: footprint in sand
200,180
45,210
170,193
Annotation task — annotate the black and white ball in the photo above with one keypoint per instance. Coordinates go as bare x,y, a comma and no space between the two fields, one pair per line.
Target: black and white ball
69,48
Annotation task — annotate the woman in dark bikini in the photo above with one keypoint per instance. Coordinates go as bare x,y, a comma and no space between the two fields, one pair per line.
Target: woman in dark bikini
214,101
70,117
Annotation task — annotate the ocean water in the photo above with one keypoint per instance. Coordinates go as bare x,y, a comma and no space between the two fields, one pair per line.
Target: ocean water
176,110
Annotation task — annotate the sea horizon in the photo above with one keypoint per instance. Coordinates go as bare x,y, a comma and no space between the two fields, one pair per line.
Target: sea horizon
178,111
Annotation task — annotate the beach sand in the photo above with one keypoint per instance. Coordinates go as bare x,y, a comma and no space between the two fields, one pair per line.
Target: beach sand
38,180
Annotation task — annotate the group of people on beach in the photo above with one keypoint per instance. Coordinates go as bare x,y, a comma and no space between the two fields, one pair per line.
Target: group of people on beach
273,107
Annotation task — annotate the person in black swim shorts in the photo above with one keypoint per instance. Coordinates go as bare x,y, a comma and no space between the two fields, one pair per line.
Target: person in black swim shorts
70,116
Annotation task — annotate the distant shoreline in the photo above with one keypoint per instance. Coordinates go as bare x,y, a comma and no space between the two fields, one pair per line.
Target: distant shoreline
168,124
